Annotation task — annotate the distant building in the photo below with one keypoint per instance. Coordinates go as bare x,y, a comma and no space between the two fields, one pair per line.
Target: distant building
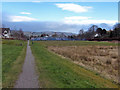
96,35
4,32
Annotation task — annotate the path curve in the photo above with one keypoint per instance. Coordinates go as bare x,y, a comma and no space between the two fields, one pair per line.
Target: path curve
28,78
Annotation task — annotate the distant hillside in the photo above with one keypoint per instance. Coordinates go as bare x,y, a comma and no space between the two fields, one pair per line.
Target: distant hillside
49,33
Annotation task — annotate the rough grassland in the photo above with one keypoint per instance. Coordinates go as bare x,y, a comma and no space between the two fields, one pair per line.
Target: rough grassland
77,43
57,72
102,59
13,55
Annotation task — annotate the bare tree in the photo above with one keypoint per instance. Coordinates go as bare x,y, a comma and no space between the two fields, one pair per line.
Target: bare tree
81,31
81,34
92,31
21,34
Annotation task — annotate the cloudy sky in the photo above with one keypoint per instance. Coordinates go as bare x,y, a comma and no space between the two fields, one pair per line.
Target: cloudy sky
58,16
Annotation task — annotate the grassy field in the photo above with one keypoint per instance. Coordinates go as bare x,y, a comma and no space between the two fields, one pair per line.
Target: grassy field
77,43
13,54
57,72
102,59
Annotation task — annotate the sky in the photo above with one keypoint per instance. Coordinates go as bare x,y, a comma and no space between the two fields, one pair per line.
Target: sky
60,0
58,16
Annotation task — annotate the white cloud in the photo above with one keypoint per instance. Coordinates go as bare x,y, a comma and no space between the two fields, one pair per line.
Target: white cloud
36,1
84,22
76,18
25,13
80,20
21,19
74,7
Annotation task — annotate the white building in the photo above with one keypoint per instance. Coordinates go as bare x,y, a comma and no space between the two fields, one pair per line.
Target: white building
4,32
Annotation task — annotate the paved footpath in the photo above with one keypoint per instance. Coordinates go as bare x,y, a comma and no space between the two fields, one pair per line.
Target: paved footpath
28,78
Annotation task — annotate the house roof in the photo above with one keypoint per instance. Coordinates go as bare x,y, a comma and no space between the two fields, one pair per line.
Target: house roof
4,29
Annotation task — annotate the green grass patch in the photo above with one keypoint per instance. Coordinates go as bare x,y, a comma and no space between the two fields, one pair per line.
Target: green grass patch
77,43
13,56
56,72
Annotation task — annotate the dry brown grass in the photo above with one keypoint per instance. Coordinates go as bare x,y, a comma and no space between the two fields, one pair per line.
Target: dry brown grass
101,59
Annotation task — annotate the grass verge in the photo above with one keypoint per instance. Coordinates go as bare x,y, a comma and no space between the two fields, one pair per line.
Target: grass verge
13,55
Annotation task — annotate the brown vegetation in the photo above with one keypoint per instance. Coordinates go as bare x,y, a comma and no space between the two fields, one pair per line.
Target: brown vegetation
101,59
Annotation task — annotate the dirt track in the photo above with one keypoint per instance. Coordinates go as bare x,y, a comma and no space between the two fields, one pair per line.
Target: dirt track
28,78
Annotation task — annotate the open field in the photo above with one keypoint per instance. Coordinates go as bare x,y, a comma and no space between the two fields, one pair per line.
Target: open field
77,43
13,54
102,59
57,72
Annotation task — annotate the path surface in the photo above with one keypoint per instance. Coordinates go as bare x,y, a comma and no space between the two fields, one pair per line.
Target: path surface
28,78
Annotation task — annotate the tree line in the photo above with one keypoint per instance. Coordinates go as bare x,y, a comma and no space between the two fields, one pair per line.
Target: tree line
95,32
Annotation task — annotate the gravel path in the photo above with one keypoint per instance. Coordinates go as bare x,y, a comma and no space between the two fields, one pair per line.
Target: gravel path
28,78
